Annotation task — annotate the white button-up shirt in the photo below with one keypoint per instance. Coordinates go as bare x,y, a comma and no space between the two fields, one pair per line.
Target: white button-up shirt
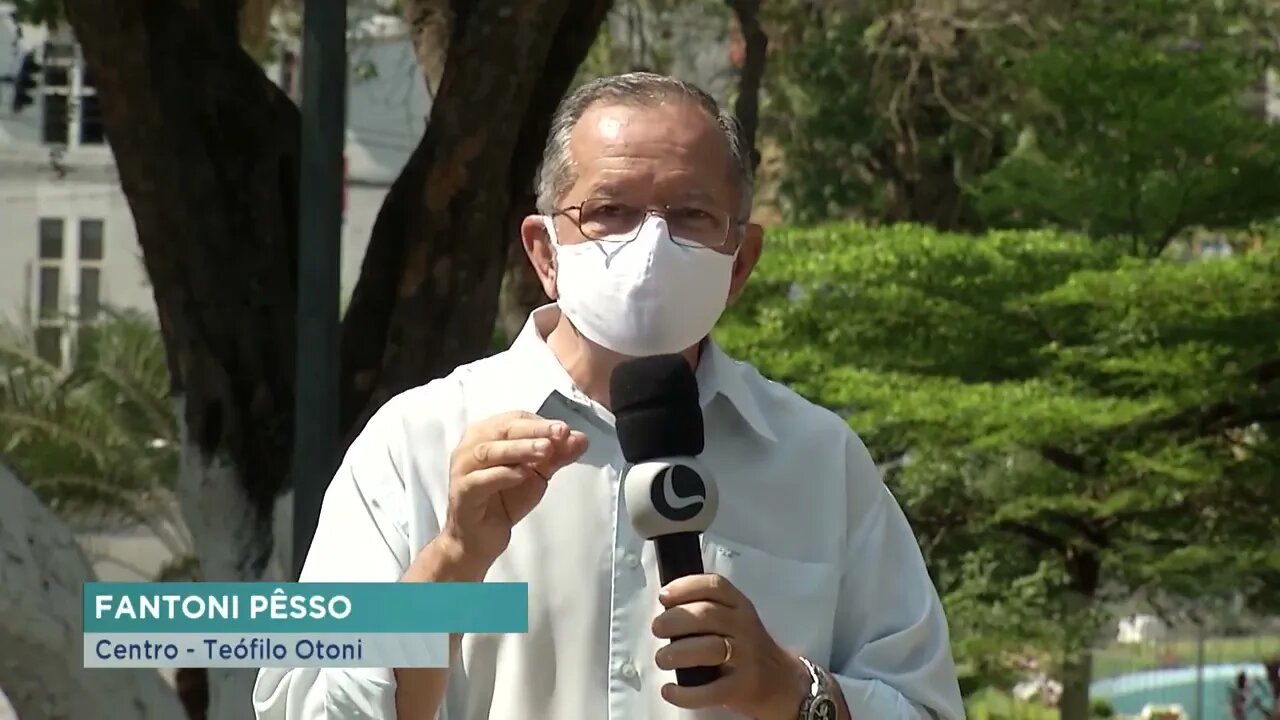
806,530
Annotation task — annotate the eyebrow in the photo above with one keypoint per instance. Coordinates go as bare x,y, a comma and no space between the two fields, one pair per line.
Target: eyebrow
613,189
606,189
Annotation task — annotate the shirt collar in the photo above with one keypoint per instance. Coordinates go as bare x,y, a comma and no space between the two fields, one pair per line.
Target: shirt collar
717,374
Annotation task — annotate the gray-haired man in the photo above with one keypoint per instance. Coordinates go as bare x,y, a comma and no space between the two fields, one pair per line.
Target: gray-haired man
815,602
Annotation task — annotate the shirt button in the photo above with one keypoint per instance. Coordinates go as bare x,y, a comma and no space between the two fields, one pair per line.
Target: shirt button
632,560
629,670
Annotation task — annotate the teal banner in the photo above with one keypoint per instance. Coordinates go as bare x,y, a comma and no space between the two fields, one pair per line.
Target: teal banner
333,608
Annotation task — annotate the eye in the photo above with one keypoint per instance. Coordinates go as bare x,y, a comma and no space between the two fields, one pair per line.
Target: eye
691,214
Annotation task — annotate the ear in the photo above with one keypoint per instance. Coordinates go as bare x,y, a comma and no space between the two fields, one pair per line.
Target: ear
748,256
537,246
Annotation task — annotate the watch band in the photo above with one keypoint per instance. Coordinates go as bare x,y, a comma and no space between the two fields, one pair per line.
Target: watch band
819,704
818,681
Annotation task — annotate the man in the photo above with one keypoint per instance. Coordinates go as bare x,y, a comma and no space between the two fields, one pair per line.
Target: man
815,602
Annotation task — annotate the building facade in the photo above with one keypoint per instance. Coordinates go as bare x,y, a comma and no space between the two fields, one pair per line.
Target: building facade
68,248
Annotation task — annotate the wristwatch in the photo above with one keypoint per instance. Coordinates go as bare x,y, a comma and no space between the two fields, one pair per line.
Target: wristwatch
818,705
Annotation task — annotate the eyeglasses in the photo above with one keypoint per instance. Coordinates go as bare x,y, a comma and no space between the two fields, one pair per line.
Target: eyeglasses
606,220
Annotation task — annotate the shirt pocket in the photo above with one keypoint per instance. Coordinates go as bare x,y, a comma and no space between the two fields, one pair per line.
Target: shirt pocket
795,599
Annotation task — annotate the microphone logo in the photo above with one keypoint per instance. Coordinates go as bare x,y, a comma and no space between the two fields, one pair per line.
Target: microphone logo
679,493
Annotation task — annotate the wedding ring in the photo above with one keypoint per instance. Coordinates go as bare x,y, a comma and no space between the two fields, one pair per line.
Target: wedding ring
728,650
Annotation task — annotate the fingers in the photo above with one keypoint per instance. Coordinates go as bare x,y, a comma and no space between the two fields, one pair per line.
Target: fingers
567,451
697,651
696,618
511,452
485,482
519,438
694,588
526,426
712,694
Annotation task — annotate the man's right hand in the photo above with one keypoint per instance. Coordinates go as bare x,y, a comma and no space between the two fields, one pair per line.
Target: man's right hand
497,475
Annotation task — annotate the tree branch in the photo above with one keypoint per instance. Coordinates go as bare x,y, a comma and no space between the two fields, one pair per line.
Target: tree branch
1224,414
756,45
206,147
1035,535
430,25
1065,460
1093,534
427,295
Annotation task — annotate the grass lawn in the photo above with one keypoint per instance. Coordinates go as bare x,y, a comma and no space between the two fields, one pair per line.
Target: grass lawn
1121,659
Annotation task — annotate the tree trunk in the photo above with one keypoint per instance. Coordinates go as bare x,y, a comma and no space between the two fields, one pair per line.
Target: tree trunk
755,49
1077,672
427,295
430,23
41,650
207,152
521,289
1084,568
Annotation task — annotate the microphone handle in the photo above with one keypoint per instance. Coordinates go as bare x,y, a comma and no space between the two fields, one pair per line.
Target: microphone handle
680,555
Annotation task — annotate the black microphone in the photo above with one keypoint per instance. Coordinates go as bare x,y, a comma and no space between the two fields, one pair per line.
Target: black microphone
670,496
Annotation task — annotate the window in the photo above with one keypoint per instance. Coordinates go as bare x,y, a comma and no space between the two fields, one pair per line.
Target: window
91,240
50,284
76,261
51,239
55,119
90,304
91,130
72,113
49,319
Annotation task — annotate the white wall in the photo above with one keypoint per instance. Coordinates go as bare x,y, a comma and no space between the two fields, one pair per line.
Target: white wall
387,108
387,111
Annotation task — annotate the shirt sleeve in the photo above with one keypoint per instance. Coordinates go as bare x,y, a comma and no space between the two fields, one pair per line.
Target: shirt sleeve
892,650
361,536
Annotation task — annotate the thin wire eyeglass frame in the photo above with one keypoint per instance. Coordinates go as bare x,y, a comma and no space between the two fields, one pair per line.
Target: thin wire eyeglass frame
731,224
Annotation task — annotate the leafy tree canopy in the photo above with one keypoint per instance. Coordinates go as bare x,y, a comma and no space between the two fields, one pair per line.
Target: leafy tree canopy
1064,424
1140,122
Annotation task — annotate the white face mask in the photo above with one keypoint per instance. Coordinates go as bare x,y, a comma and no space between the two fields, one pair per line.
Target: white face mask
648,296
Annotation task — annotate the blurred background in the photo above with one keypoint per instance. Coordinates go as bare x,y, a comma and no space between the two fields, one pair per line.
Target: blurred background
1027,247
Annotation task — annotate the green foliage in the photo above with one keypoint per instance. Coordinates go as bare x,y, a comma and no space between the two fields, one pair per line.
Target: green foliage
884,111
664,36
1136,127
995,705
98,444
1062,422
1136,119
1099,708
823,123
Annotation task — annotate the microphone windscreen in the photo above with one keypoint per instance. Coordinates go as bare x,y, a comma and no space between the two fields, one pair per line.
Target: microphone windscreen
656,409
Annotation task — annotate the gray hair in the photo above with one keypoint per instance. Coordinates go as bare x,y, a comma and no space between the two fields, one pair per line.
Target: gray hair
643,89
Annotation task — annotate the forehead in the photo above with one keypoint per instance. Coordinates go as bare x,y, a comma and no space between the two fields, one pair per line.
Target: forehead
667,141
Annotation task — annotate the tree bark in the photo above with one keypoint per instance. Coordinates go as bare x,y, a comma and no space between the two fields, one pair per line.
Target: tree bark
427,295
1076,674
430,24
41,666
521,289
206,147
207,152
1084,568
756,46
